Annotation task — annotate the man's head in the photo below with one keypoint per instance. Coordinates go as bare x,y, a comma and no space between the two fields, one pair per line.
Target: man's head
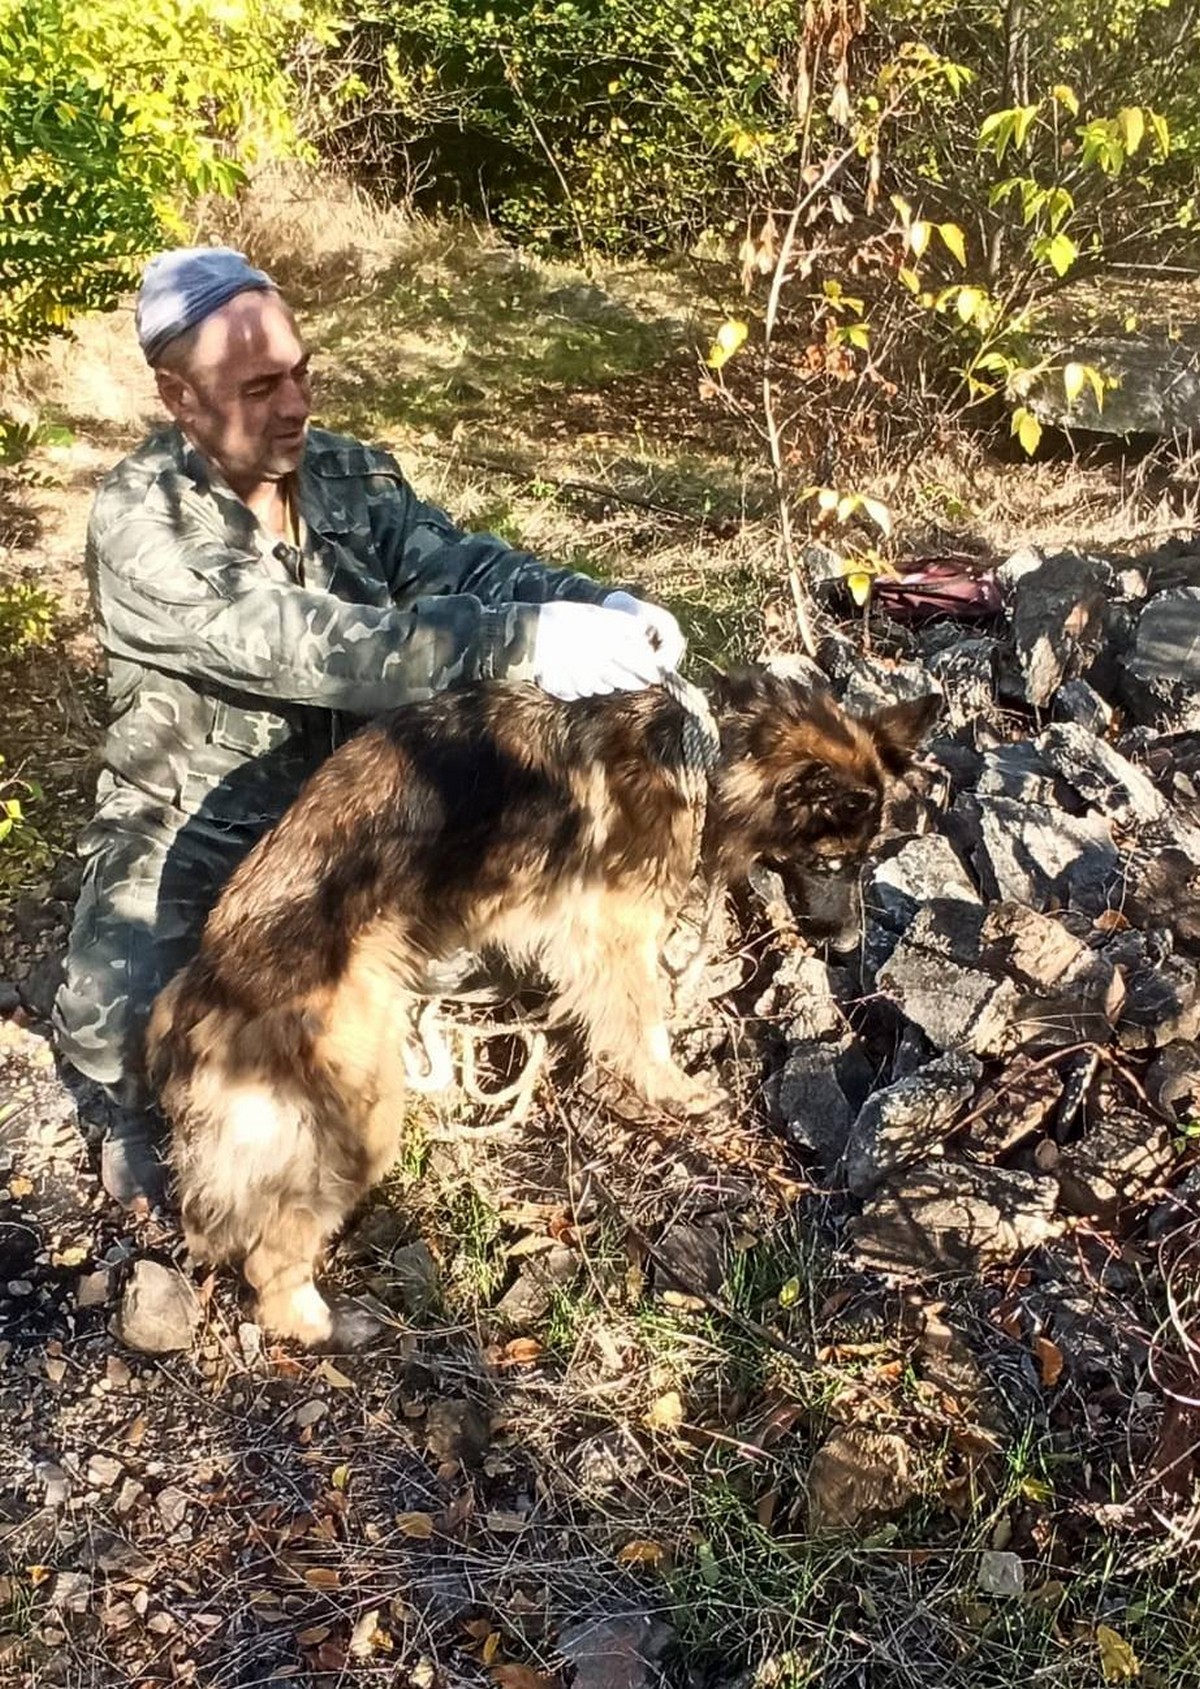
228,361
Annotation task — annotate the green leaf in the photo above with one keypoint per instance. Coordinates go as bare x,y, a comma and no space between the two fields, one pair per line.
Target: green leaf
1132,123
1161,133
1061,253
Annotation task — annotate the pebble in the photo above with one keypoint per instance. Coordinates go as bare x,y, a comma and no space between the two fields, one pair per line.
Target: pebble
103,1471
308,1413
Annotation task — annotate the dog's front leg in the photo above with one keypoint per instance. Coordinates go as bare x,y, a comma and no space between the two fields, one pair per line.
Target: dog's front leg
604,960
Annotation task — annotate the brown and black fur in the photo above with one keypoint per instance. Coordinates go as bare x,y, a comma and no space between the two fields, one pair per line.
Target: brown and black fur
493,817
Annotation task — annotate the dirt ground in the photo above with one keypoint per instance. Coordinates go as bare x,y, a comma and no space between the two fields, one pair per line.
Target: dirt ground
637,1416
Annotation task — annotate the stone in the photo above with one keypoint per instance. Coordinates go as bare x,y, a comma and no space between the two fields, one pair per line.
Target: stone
691,1258
932,978
802,993
611,1460
1076,995
414,1278
906,1121
858,1477
966,674
1017,1104
103,1471
868,684
1036,855
620,1652
1119,1160
1018,770
71,1592
1173,1078
1156,387
40,986
171,1505
1077,702
1162,1003
1163,890
310,1412
1160,678
813,1102
55,1482
1058,622
1001,1572
92,1289
456,1429
904,880
1099,773
954,1217
10,997
159,1311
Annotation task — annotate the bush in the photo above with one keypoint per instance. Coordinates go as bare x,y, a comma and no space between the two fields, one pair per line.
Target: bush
113,113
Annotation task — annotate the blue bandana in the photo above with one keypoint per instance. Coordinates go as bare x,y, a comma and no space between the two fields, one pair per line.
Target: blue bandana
181,288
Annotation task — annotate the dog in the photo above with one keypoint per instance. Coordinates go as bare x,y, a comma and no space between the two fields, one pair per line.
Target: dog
489,818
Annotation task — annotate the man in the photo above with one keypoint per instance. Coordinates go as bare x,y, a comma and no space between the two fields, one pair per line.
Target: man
261,587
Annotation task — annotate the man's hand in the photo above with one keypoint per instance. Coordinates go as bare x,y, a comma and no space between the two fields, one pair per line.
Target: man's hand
659,626
582,649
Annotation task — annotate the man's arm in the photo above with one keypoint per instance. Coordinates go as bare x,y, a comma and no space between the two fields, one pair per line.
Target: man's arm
171,594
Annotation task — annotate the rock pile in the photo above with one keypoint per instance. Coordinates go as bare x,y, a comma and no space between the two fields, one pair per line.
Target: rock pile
1017,1039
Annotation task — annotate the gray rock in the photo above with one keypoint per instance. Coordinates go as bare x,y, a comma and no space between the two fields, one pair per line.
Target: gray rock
953,1217
899,885
906,1121
103,1471
932,977
55,1482
415,1278
803,993
71,1592
1001,1572
693,1259
1018,771
1156,391
1032,854
1077,702
1101,775
159,1310
1173,1078
1076,994
1160,679
10,997
616,1653
1162,1005
172,1505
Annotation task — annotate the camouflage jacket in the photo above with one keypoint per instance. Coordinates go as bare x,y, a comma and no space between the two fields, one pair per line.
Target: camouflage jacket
228,649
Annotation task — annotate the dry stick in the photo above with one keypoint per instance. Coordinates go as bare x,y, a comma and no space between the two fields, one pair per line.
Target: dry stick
514,83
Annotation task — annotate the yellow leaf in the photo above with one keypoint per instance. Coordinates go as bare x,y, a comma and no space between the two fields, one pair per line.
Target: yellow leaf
1118,1661
789,1291
847,505
1066,96
666,1414
19,1185
1132,123
491,1647
827,498
860,586
954,240
909,279
74,1256
731,337
331,1375
1073,380
1027,428
1161,132
418,1525
918,236
340,1478
879,514
641,1552
968,302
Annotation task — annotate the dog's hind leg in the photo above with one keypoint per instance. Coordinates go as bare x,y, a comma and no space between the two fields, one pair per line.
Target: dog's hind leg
280,1271
604,960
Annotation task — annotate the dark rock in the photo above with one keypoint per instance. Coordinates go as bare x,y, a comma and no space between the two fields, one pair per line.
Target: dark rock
414,1278
456,1429
866,684
819,1088
1101,775
1162,1003
906,1121
616,1653
1156,388
804,993
10,997
952,1217
1163,890
1077,702
1058,621
1076,994
1161,676
692,1259
1118,1160
1032,854
40,986
900,884
66,879
966,674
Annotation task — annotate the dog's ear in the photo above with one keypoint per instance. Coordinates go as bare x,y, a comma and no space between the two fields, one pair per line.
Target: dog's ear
899,729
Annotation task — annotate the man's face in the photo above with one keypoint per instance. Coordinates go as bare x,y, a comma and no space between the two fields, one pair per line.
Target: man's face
241,393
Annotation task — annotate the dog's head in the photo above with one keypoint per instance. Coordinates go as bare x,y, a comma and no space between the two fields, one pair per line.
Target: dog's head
801,784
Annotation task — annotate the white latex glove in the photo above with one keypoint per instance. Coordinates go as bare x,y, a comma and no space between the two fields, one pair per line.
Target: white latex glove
581,649
659,626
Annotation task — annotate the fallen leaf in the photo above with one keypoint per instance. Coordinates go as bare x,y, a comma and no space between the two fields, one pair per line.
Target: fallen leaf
314,1634
666,1414
764,1510
641,1552
340,1477
1049,1359
1111,920
323,1577
521,1351
19,1185
418,1525
491,1647
1118,1661
331,1375
522,1677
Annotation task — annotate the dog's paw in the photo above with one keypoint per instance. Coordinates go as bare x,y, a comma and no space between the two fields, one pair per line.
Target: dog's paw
683,1095
301,1313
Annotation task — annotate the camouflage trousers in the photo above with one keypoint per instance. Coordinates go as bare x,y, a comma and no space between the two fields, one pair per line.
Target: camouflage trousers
151,874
